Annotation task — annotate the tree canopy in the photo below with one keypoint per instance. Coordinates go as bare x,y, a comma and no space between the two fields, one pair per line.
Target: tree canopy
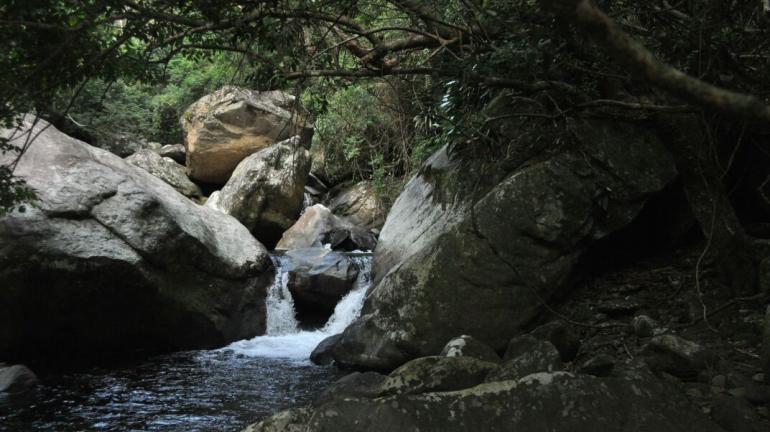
584,55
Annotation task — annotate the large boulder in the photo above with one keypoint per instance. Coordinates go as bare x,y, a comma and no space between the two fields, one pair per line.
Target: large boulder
224,127
359,204
167,170
111,259
266,190
318,278
318,227
559,401
477,246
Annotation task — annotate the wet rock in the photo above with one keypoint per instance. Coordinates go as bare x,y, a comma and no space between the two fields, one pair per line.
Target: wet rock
223,128
318,227
16,379
431,374
734,414
176,152
600,365
470,347
644,326
458,244
322,354
677,356
318,279
167,170
359,204
561,336
113,259
266,190
560,401
526,355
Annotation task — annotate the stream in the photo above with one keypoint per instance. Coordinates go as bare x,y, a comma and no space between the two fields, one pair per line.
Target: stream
216,390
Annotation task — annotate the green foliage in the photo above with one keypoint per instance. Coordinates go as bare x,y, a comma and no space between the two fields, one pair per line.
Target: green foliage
152,111
369,131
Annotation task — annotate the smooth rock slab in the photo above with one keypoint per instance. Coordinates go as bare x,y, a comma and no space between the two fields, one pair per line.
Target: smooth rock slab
632,402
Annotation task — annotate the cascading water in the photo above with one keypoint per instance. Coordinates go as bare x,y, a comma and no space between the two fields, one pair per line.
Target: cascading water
283,338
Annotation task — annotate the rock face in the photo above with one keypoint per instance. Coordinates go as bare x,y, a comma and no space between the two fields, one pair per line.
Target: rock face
167,170
434,374
111,259
318,279
224,127
266,190
16,379
318,227
526,355
322,354
359,204
559,401
463,254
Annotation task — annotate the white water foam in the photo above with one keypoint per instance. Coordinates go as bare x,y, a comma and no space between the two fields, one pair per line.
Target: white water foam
283,339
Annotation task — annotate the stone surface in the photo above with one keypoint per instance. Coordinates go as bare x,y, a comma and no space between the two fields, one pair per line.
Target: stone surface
734,414
469,347
561,336
359,204
16,379
223,128
434,374
644,326
176,152
765,356
265,191
527,355
111,259
630,402
677,356
318,227
322,353
599,365
167,170
318,279
466,253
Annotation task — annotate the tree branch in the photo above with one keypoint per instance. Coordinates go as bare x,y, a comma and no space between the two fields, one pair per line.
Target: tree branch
636,57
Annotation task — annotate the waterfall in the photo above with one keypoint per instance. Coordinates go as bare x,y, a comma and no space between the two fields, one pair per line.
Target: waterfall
283,339
279,306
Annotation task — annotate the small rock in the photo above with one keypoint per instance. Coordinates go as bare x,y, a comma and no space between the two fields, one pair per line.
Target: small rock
719,381
16,379
470,347
734,414
676,356
644,326
600,365
176,152
527,355
619,307
322,354
760,377
561,336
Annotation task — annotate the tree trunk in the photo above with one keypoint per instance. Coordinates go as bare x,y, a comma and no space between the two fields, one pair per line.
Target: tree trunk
706,194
